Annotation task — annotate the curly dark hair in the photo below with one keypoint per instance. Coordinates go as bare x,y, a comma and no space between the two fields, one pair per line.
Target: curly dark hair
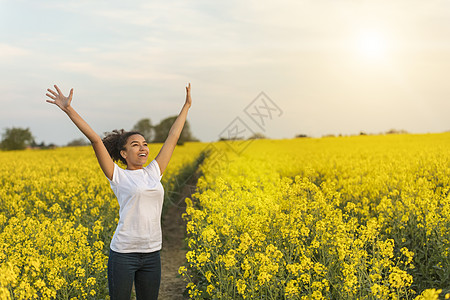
115,141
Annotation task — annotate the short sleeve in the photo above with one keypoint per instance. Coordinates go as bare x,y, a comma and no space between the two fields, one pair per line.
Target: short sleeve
154,170
116,175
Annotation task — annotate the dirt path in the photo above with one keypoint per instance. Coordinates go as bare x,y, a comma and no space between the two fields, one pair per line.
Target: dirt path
173,253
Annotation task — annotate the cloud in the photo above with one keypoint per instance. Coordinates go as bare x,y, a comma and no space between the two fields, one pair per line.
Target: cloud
9,51
114,72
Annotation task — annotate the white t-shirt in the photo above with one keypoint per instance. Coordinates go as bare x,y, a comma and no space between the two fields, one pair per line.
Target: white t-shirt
140,195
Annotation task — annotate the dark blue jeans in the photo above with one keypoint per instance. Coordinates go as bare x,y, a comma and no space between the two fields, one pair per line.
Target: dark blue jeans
144,269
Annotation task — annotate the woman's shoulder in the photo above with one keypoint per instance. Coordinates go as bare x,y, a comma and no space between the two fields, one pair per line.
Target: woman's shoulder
117,174
153,169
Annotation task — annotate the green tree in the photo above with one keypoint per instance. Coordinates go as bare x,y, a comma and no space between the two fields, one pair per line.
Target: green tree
144,126
163,128
257,136
78,142
16,138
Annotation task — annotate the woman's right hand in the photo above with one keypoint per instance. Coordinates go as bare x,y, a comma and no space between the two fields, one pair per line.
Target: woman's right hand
59,99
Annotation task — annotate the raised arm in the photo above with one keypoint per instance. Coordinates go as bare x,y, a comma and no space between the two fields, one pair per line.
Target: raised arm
166,151
64,103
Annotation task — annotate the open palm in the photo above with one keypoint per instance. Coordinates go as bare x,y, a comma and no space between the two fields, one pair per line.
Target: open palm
188,95
59,99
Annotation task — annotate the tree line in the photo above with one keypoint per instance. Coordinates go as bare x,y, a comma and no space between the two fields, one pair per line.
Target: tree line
16,138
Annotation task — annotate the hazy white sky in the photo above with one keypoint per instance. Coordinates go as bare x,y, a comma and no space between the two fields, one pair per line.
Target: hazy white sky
328,66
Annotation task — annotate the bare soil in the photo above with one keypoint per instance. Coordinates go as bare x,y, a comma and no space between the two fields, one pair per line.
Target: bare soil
173,253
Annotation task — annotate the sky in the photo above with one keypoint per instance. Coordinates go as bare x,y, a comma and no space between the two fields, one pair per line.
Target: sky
280,68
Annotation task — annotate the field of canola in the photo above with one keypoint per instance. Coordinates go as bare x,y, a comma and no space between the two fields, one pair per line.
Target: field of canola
335,218
57,217
364,217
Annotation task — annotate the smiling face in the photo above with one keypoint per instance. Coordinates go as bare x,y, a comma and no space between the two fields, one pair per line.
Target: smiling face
136,152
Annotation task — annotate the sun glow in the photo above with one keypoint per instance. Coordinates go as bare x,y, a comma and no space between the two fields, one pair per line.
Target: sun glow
372,45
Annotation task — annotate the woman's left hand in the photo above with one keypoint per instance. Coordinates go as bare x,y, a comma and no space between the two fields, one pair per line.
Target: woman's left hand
188,95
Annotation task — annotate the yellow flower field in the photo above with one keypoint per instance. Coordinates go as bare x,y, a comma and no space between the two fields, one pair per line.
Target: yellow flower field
57,216
364,217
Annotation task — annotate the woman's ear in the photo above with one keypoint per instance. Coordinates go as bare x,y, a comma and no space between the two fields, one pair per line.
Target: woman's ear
123,154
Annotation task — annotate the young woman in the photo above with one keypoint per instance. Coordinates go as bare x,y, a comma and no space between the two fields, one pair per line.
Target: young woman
134,250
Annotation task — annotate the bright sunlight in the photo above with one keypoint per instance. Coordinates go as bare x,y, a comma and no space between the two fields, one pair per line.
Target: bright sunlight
372,45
